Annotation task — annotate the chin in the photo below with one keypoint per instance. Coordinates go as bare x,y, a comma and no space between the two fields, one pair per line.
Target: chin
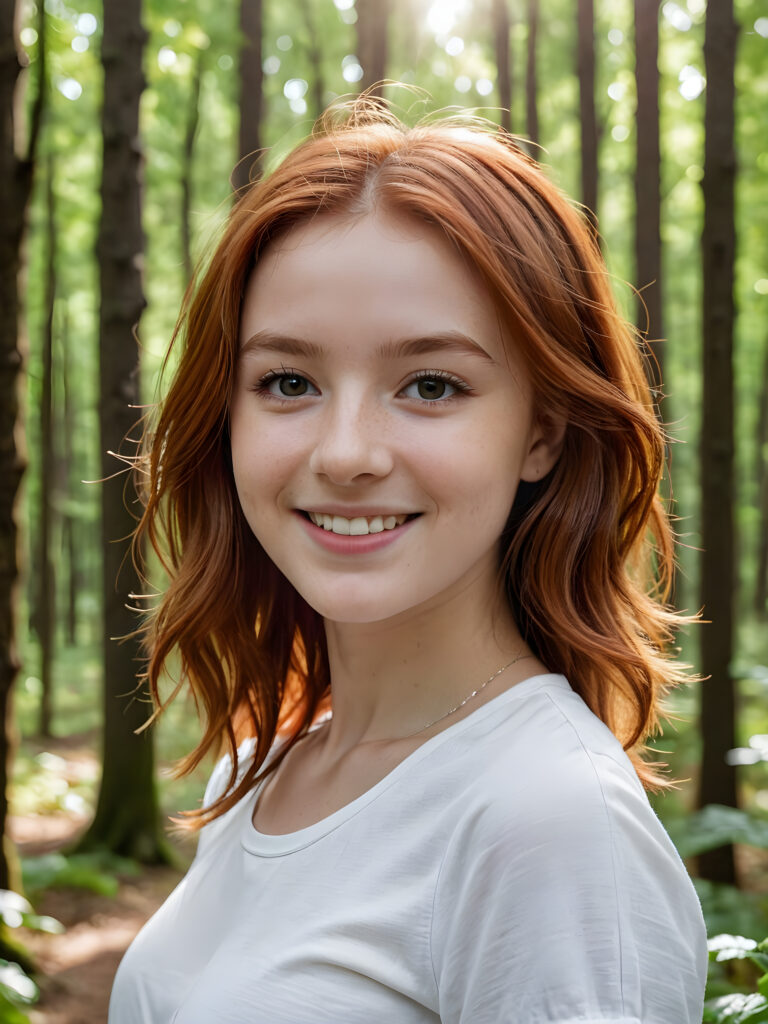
356,605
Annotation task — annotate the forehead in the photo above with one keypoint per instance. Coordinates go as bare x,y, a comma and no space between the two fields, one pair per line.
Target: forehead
342,279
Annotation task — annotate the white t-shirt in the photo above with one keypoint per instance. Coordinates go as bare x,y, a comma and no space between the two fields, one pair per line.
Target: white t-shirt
508,871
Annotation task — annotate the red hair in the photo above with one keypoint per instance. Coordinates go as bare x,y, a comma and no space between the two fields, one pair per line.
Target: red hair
587,554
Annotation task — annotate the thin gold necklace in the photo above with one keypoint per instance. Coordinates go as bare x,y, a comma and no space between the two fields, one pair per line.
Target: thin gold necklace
470,697
467,699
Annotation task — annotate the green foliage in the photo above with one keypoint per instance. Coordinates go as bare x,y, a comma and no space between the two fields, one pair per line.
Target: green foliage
93,871
716,825
739,1007
733,911
17,989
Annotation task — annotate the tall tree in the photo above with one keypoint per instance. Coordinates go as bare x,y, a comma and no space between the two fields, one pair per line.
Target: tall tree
67,476
314,56
761,478
126,819
16,175
251,94
187,161
501,32
648,183
585,62
47,584
718,779
531,74
372,40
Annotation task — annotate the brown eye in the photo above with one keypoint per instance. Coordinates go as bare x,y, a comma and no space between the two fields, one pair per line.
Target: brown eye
293,386
429,388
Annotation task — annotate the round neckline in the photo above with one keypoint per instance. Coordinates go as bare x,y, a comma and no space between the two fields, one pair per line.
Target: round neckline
267,845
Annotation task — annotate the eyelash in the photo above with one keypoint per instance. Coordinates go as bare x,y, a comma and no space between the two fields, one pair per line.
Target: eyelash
461,387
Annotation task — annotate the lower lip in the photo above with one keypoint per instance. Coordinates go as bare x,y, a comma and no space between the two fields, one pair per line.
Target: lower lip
341,544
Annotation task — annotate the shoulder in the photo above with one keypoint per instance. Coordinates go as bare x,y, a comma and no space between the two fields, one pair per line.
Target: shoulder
555,847
554,805
545,759
219,783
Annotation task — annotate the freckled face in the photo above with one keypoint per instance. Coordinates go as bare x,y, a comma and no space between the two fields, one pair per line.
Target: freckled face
379,427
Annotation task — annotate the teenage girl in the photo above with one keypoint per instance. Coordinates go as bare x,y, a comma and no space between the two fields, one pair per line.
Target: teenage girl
405,486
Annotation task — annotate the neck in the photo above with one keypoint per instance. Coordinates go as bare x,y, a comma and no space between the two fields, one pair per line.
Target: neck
391,679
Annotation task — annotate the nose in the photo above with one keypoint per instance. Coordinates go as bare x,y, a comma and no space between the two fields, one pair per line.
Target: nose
353,442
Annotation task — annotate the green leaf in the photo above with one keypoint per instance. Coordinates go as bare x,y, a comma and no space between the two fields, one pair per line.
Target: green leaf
43,923
9,1012
730,910
13,907
54,870
716,825
16,984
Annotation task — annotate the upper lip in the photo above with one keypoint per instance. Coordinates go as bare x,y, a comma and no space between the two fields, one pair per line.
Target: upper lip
363,511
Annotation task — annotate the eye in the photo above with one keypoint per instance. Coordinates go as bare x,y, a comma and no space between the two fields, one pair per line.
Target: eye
285,384
433,386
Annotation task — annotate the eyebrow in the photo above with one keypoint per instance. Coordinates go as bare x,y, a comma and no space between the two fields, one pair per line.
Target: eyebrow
440,341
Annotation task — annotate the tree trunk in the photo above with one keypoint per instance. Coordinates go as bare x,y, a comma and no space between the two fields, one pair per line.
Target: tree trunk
193,117
531,74
648,278
761,476
718,779
501,33
16,176
69,541
372,52
251,95
587,111
126,820
315,57
47,581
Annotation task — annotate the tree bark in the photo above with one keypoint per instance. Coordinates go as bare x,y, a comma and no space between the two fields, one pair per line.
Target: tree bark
587,110
47,581
251,95
187,162
531,74
648,255
718,779
16,174
126,820
69,541
501,32
761,476
372,50
315,57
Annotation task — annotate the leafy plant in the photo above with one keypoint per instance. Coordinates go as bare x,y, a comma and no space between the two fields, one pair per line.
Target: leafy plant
17,989
716,825
739,1007
93,871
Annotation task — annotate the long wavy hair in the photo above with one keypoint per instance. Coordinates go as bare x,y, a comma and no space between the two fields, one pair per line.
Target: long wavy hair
587,555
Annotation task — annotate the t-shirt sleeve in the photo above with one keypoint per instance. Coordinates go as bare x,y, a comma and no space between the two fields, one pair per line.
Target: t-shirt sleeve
561,899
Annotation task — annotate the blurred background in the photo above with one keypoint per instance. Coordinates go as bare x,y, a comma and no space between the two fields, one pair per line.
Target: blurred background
125,127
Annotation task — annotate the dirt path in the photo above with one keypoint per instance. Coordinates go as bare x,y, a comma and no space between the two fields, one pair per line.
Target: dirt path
78,966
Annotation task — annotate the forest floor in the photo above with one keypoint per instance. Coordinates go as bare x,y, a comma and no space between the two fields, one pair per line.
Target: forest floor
75,969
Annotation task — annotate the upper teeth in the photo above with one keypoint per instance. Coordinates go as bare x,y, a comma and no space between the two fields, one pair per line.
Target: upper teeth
358,526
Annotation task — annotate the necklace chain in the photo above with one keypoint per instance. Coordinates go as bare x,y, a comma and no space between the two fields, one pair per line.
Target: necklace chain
470,697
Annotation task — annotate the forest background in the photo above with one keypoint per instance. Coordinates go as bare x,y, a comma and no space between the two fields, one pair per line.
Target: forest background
125,127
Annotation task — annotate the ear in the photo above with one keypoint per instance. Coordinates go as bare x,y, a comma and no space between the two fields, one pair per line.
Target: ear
546,443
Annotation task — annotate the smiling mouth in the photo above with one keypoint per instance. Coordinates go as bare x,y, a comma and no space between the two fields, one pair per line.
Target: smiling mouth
359,526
